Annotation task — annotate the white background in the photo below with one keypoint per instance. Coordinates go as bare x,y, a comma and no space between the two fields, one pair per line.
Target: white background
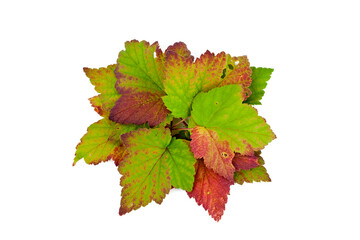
311,103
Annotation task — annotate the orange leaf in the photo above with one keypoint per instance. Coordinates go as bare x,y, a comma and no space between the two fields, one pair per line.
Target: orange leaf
217,154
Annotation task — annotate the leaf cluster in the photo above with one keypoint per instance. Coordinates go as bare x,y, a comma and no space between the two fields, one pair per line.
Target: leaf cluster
173,121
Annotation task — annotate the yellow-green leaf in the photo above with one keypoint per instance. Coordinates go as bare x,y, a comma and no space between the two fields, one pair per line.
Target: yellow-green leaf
155,163
140,68
257,174
104,81
180,85
102,142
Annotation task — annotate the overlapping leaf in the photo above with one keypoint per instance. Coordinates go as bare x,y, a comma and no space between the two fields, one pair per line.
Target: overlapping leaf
259,76
217,154
221,110
139,108
257,174
138,64
140,81
180,86
238,71
245,162
154,164
167,122
210,190
208,70
104,81
181,163
102,142
184,79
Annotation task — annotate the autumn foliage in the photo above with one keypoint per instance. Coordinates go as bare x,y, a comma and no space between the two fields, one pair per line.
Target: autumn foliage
173,121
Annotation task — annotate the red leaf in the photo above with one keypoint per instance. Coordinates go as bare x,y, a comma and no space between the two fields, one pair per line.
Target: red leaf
181,49
244,162
139,108
129,82
210,190
217,154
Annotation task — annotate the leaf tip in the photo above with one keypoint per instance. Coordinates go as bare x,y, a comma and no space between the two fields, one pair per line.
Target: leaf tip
180,49
122,211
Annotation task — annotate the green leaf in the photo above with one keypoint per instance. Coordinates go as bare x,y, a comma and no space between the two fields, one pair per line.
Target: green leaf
154,164
180,85
102,142
222,111
259,76
181,162
104,81
257,174
138,62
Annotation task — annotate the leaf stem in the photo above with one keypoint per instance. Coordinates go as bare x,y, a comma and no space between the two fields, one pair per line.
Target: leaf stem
182,121
183,129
